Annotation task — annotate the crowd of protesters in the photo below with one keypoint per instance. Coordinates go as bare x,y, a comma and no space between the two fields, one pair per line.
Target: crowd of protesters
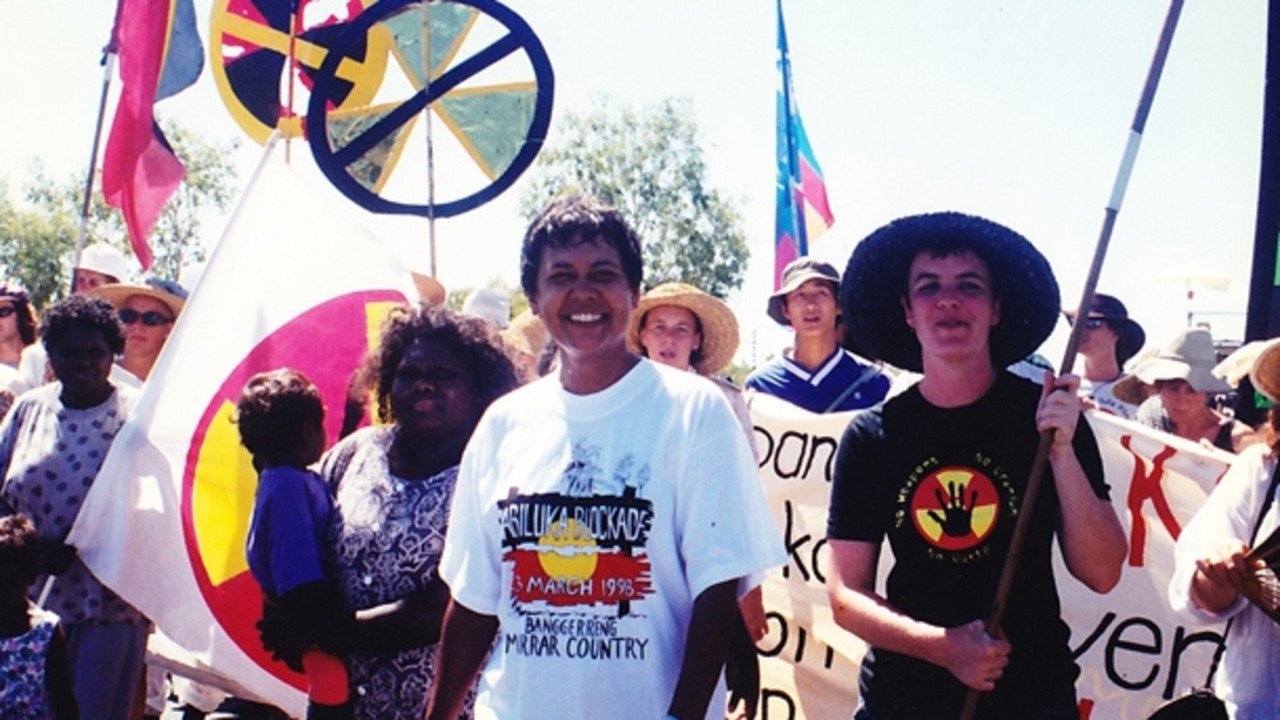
437,562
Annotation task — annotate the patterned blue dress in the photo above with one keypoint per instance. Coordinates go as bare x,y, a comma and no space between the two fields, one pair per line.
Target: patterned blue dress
23,692
385,539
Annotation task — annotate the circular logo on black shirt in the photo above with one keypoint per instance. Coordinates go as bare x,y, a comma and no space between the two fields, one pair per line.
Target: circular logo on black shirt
955,508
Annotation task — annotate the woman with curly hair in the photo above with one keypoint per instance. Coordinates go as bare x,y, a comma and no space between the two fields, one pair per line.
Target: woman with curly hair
52,445
433,374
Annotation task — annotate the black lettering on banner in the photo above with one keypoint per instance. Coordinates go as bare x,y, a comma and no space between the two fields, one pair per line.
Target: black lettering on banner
769,697
1182,641
1122,639
801,452
1117,642
814,564
1093,636
803,439
793,545
782,634
806,562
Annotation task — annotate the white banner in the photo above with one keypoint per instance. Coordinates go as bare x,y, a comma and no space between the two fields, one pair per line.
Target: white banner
165,523
1132,652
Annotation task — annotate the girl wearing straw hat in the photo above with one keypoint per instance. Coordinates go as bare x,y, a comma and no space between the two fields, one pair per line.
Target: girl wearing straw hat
940,472
1182,375
681,326
1211,570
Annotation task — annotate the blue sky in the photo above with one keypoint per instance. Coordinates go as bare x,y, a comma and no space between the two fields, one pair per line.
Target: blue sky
1016,110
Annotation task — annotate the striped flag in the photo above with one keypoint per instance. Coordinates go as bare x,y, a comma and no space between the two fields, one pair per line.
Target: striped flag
802,210
160,54
291,284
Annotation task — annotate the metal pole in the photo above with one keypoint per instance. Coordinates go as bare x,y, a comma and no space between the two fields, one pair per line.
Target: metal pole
1023,526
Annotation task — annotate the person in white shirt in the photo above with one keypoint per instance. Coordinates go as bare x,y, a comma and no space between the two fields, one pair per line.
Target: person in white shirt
1211,571
604,514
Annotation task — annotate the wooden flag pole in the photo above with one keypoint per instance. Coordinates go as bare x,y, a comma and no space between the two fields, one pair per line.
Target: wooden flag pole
1023,526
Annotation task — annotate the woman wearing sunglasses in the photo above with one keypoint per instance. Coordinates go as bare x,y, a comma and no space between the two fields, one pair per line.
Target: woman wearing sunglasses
17,325
148,313
1109,339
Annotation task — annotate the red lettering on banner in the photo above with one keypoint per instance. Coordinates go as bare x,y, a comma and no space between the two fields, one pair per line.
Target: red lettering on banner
1146,486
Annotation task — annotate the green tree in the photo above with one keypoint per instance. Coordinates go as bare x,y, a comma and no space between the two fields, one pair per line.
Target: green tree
649,164
32,246
39,237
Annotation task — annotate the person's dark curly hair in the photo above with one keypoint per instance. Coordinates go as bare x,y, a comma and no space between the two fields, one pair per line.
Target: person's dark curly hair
481,350
19,552
81,311
572,220
274,410
22,312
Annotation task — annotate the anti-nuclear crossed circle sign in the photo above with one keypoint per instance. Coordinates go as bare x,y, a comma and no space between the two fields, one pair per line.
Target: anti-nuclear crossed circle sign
249,55
326,343
478,69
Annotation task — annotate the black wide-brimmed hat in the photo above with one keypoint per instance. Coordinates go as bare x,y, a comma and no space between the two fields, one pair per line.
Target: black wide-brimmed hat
875,280
1130,336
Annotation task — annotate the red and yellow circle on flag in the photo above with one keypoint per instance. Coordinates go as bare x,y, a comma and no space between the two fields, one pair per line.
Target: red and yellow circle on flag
327,343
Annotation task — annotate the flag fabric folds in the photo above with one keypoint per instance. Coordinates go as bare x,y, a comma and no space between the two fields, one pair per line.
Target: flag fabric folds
802,209
292,283
160,54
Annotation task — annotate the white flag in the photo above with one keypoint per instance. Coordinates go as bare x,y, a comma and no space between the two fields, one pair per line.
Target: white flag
290,284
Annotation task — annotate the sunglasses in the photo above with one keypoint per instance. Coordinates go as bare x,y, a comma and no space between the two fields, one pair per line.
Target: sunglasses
1092,323
150,318
7,310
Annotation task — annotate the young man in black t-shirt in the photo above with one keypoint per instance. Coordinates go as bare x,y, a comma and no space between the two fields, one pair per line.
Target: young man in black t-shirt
940,472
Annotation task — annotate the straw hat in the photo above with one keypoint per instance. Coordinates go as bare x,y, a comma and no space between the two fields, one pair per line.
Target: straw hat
797,273
876,279
166,291
719,326
526,333
1265,374
1189,356
430,291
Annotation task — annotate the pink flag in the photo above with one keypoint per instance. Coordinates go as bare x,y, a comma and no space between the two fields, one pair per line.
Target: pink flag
139,170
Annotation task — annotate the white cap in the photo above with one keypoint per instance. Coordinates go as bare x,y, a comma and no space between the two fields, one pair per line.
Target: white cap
489,304
103,258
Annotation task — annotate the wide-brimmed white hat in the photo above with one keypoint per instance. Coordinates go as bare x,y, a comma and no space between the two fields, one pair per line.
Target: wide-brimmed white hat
103,258
1190,357
719,326
489,304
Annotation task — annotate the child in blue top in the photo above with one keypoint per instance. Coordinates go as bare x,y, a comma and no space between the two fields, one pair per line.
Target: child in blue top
35,672
281,419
